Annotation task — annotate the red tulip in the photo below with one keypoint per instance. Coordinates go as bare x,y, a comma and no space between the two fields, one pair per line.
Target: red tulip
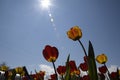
113,75
102,69
61,70
86,77
85,58
84,66
73,68
50,53
53,77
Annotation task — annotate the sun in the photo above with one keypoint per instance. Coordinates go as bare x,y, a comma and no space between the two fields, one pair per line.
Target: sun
45,4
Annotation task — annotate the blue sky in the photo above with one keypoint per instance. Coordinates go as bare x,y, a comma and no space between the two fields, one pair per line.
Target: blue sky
25,29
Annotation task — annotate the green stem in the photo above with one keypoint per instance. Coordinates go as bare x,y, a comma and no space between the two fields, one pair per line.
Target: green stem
83,48
55,70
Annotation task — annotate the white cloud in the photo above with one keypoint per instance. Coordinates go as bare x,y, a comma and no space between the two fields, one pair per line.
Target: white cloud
113,68
48,70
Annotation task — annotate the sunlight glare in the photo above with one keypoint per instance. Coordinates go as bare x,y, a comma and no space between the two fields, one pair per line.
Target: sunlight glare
45,4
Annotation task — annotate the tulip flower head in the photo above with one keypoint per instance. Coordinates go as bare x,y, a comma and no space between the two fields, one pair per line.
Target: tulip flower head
53,77
74,33
102,69
61,70
83,66
113,75
42,73
50,53
73,68
86,77
19,70
3,68
38,75
101,58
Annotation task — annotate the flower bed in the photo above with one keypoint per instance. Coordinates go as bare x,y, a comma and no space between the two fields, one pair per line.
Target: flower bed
69,71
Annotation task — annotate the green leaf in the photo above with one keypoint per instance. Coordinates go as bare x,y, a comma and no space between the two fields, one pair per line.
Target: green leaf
67,76
26,74
91,63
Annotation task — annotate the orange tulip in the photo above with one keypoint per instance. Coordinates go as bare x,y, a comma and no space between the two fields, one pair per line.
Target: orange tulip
74,33
101,58
50,53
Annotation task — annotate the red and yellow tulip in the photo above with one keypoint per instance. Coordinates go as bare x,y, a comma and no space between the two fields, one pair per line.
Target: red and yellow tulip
73,68
74,33
50,53
61,70
84,66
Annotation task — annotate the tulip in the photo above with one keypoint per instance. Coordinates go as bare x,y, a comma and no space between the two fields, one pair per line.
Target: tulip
113,75
86,77
61,70
84,66
102,59
50,53
85,59
53,77
38,76
74,33
42,73
19,70
73,68
102,69
3,68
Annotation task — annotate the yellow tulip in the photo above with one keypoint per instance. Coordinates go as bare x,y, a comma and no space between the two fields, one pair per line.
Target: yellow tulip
19,70
4,68
74,33
102,58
